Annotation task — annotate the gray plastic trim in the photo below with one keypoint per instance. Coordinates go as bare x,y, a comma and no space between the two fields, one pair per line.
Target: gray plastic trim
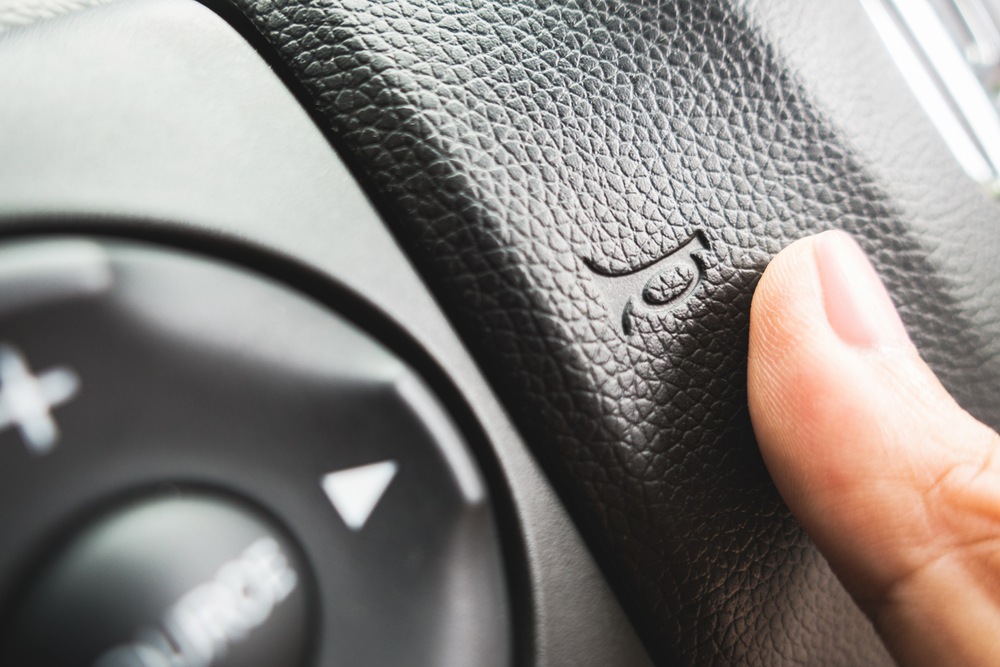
157,110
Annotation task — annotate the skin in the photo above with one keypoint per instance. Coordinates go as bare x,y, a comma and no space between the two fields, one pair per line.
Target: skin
894,482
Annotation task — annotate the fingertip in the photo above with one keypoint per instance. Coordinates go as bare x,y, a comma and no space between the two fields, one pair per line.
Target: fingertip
788,338
868,450
783,303
820,397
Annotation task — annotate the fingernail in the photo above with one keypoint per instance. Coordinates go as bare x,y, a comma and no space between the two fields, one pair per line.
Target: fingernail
857,305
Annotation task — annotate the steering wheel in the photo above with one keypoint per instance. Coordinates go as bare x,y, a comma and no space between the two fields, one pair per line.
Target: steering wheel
591,189
536,155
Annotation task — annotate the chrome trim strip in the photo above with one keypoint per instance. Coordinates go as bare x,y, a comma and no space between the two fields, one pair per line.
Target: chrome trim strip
955,73
929,94
983,29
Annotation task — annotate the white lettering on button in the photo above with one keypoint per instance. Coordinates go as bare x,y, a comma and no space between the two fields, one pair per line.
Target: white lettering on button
26,401
201,625
354,492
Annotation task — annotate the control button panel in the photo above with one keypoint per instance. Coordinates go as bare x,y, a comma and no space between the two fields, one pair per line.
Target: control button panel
313,465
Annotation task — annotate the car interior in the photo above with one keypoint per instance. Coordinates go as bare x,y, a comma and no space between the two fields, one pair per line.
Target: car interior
383,332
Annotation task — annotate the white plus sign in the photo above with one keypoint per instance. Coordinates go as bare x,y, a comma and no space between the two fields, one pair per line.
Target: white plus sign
26,400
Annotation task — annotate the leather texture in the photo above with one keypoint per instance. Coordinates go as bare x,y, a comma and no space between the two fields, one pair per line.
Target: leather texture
537,156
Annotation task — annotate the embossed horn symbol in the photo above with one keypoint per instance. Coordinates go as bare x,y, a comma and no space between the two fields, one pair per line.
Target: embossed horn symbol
659,286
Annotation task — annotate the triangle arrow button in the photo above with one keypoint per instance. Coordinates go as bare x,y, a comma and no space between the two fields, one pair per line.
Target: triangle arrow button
354,492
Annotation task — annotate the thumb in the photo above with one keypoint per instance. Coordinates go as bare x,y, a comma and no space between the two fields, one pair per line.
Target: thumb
894,482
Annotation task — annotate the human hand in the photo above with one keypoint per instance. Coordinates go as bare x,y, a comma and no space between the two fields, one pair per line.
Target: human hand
894,482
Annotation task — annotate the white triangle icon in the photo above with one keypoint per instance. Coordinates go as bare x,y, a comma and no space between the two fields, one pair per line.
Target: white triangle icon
355,492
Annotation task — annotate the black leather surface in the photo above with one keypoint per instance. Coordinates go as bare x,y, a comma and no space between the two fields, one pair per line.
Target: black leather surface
529,152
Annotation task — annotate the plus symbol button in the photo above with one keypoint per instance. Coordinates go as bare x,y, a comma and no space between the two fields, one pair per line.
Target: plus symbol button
26,400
